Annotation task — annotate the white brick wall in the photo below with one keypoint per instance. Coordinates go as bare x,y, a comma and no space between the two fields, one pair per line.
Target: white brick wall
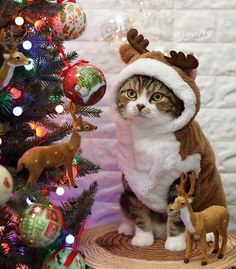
172,24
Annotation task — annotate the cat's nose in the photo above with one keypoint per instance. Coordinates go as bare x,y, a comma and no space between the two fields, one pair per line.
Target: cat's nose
140,106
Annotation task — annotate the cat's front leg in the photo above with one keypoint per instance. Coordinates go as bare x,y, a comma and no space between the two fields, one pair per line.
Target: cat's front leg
142,237
139,214
176,235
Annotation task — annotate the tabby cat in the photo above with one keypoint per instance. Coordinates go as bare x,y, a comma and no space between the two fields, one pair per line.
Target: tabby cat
150,99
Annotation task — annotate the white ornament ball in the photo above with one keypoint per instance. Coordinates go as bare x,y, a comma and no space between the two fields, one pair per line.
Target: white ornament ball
6,185
69,23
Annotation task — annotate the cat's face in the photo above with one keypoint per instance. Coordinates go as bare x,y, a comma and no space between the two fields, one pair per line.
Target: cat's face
143,97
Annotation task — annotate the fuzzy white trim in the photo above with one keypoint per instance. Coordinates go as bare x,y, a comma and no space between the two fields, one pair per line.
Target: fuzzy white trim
166,74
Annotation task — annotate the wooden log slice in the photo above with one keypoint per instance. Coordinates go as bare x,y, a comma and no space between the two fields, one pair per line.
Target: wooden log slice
104,248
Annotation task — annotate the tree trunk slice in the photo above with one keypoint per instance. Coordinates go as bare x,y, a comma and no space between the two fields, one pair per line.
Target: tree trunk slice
104,248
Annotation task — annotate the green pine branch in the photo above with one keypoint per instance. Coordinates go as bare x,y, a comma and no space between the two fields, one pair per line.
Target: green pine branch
76,210
90,111
85,166
6,103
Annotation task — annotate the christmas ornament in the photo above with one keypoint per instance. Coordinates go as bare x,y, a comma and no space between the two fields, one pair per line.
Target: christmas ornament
40,225
70,22
12,59
115,29
84,84
38,158
39,24
6,185
65,258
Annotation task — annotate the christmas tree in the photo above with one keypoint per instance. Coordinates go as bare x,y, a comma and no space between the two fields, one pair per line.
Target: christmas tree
35,74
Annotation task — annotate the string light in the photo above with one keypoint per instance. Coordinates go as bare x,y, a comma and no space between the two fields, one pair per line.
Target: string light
17,111
15,93
31,65
59,109
70,239
60,191
41,131
39,24
19,21
27,45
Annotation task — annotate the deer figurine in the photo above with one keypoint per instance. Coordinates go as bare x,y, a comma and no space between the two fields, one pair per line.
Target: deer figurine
12,59
213,219
38,158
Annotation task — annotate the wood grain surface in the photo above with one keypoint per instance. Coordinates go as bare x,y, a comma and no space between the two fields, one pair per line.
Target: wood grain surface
104,248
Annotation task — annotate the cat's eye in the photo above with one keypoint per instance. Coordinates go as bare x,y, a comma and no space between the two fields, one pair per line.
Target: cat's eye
182,203
131,94
157,96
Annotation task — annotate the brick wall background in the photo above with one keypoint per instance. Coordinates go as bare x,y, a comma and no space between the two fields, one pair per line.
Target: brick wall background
206,28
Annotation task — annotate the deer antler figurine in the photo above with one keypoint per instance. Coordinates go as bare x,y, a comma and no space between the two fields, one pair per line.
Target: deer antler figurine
38,158
213,219
12,59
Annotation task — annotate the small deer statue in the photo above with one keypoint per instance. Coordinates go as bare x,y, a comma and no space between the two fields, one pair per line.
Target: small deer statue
12,59
38,158
213,219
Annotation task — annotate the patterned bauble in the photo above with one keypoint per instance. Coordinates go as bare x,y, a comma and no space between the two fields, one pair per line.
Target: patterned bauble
84,84
40,225
64,258
70,22
6,185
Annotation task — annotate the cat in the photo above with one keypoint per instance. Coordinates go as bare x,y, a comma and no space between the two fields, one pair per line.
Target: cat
136,91
154,102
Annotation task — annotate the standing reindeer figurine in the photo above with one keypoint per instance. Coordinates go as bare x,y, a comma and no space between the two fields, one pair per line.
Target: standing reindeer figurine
38,158
12,59
213,219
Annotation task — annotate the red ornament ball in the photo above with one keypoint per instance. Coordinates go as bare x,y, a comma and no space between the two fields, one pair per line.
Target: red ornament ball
84,84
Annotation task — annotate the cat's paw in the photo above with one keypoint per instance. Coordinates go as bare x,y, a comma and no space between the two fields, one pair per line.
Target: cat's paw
143,240
126,228
176,243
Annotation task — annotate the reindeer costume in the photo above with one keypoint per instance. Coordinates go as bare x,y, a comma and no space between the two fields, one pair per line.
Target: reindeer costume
180,145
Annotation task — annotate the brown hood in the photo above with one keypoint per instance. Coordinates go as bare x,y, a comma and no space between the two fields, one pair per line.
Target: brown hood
175,72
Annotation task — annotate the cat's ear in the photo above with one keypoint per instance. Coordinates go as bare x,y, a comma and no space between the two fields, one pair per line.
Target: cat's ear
137,46
187,63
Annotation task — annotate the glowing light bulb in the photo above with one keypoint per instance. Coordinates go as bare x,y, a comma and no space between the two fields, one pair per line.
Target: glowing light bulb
0,141
59,108
30,66
27,45
15,93
19,21
17,111
39,24
41,131
60,191
70,239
